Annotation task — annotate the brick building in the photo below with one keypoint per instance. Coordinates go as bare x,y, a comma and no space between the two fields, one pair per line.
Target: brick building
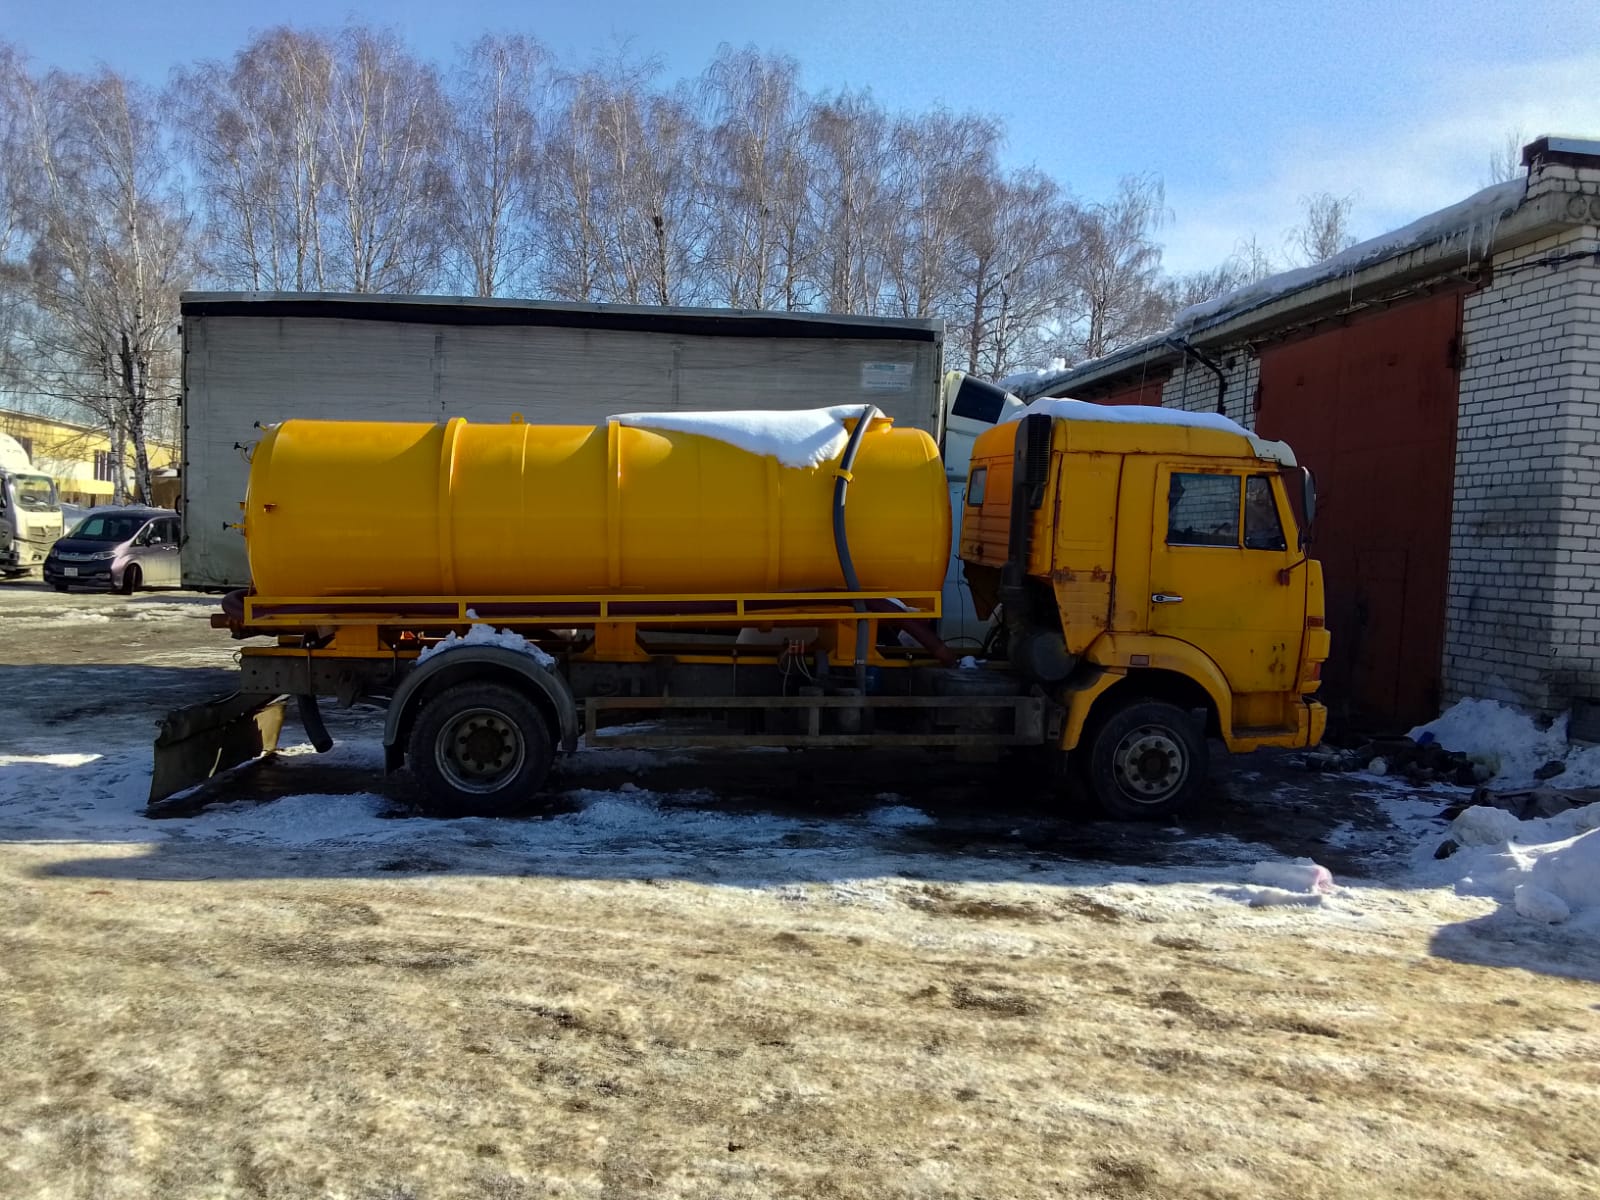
1443,381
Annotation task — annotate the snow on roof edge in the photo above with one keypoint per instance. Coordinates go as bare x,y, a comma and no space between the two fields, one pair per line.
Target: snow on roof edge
1481,211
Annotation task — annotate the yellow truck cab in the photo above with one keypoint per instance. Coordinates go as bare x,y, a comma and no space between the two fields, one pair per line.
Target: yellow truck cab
1149,568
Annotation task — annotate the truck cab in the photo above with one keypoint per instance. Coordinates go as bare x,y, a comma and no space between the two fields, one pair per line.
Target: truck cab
30,511
1152,575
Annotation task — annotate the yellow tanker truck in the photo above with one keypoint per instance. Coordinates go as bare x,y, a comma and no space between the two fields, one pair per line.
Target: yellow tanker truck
771,580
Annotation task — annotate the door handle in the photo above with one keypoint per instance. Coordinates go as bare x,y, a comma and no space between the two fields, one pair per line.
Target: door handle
1165,598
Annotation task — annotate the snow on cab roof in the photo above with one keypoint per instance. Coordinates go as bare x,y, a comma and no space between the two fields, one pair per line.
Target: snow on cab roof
1065,409
805,437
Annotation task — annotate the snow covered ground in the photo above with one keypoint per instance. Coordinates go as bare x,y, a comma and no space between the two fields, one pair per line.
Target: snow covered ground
749,974
76,771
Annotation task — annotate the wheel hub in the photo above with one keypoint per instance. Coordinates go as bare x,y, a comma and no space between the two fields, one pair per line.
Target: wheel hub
480,749
1150,764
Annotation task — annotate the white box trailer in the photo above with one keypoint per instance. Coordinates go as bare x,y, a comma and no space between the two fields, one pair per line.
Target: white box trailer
253,359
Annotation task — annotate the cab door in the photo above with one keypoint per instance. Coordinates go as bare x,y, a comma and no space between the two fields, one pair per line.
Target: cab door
1221,578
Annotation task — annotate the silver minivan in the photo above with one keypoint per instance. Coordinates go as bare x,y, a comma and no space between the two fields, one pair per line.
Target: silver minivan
123,549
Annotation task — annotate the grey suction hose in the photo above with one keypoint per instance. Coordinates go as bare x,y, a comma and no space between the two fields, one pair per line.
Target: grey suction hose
841,540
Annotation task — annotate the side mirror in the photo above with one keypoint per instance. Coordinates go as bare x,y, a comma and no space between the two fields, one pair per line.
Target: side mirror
1308,485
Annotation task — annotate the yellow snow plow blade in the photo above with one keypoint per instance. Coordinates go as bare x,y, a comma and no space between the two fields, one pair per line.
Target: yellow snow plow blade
203,740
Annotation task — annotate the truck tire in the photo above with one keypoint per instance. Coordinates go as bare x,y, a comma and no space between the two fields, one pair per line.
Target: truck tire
1145,760
479,750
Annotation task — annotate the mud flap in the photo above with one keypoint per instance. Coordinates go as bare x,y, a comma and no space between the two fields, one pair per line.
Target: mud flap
203,740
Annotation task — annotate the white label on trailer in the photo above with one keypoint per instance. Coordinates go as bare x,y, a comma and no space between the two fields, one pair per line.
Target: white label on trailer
886,377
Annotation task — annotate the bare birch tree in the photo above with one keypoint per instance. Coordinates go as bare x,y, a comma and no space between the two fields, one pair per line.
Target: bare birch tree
941,165
498,109
847,197
1118,274
386,167
1505,158
1018,263
256,134
108,259
1324,229
755,180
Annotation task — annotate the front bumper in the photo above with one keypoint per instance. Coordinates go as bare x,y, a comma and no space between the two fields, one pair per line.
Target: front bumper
89,574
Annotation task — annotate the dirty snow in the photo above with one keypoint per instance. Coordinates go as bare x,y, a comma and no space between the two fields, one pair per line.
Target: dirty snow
1512,745
486,635
801,438
1301,883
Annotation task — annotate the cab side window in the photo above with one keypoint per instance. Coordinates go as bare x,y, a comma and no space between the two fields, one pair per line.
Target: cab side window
1263,529
1203,510
976,485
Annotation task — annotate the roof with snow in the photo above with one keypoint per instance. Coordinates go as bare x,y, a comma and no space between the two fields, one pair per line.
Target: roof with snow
1454,239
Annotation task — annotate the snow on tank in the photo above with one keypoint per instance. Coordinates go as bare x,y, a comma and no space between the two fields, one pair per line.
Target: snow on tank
1065,409
806,437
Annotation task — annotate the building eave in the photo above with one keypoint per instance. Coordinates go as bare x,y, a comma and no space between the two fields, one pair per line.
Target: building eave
1452,257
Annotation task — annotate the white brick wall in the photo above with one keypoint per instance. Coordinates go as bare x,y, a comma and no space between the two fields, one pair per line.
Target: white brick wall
1524,605
1193,386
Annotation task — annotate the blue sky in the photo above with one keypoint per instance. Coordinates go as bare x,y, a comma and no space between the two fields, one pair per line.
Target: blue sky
1241,106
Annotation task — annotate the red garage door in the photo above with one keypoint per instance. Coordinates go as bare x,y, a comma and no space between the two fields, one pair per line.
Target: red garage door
1371,408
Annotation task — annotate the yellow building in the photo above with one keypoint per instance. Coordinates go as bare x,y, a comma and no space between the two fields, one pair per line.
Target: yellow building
79,459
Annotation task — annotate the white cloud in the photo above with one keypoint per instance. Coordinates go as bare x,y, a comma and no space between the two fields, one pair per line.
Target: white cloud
1433,151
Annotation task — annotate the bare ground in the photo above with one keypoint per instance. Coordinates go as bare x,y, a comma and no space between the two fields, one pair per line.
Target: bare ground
181,1017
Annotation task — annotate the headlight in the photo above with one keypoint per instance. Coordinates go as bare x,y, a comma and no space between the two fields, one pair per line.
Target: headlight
104,554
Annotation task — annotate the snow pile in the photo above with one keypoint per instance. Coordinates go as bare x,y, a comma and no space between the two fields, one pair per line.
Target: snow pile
1548,869
485,635
805,437
898,816
1509,743
1274,884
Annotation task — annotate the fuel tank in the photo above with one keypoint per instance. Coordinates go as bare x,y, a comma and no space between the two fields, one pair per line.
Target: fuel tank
397,509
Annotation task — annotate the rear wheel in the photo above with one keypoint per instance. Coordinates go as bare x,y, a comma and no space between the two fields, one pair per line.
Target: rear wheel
480,750
130,579
1146,760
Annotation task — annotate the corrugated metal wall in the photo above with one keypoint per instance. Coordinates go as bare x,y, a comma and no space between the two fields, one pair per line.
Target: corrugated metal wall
1371,408
240,370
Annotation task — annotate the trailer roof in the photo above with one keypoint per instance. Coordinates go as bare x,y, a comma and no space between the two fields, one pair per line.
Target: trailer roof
478,310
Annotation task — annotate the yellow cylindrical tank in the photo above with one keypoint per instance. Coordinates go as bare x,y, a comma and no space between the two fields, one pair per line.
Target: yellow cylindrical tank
340,508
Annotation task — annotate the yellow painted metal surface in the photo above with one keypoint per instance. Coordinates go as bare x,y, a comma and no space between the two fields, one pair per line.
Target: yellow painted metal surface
1245,623
351,508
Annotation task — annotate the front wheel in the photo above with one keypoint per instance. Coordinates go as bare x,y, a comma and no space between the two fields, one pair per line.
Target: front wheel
130,579
480,750
1146,760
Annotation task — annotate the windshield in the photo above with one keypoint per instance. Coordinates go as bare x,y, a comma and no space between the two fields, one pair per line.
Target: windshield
107,527
35,493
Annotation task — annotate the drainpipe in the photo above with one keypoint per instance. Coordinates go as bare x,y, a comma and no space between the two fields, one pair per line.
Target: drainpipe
1205,360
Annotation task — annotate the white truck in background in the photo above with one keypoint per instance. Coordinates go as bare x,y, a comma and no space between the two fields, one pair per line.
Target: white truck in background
30,511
